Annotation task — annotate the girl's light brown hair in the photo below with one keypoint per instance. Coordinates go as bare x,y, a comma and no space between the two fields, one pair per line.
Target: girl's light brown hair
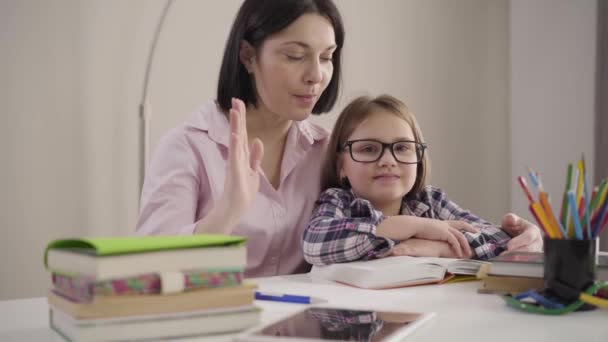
356,112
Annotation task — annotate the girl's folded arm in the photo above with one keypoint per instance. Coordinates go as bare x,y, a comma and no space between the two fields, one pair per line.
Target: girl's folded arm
488,243
336,234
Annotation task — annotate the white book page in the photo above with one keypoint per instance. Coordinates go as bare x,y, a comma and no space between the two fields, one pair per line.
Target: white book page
382,272
456,266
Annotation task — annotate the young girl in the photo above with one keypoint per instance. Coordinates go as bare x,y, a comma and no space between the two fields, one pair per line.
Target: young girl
374,200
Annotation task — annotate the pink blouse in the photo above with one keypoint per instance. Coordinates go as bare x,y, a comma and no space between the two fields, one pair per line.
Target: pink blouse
186,175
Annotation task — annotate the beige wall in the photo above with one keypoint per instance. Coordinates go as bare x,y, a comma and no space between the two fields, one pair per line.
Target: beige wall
553,63
70,75
71,79
43,173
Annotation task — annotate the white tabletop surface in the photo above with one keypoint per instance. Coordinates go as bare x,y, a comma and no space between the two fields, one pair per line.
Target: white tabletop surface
462,314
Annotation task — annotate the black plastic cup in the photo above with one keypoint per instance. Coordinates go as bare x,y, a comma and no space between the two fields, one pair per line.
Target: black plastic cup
569,268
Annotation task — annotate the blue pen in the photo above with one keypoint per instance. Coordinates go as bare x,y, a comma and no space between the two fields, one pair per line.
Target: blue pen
578,232
533,178
287,298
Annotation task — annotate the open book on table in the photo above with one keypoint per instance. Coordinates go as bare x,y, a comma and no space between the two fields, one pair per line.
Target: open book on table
397,271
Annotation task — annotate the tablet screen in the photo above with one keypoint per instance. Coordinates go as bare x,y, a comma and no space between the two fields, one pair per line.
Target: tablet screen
342,325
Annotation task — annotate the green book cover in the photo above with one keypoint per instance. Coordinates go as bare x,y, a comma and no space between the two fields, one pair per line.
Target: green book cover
141,244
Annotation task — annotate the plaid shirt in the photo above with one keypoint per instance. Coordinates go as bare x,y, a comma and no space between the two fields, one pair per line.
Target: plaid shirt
343,227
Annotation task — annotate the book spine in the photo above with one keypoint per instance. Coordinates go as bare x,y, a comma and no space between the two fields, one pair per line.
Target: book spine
84,289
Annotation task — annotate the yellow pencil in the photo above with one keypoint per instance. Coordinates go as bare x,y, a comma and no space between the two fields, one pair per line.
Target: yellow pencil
554,226
538,211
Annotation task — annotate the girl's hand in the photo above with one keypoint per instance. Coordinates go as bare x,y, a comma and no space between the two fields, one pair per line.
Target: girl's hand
526,236
242,168
423,248
449,232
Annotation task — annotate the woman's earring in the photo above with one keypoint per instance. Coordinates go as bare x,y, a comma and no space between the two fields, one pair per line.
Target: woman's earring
344,183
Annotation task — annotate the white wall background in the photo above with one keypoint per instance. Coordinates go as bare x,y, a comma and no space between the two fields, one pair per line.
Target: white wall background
71,75
553,63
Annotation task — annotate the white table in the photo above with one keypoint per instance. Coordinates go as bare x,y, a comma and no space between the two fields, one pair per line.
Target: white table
462,313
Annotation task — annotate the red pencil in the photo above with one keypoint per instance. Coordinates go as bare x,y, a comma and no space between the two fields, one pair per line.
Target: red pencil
581,207
524,186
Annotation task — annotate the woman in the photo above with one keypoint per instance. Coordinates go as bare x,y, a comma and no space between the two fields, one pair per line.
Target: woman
259,177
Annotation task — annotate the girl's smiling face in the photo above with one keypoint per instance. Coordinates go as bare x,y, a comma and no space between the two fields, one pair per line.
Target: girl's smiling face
385,181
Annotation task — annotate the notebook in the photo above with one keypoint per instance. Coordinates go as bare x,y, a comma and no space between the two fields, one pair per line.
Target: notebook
84,289
110,258
396,271
507,284
132,305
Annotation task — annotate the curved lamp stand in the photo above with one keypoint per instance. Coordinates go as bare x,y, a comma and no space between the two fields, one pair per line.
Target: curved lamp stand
145,112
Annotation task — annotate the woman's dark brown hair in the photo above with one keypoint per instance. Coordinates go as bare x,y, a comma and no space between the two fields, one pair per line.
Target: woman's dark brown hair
255,21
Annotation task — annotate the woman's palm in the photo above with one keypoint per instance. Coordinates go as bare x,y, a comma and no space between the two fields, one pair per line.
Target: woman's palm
243,167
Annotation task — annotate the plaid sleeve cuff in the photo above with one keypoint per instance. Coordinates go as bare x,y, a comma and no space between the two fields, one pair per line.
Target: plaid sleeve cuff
381,246
342,229
488,243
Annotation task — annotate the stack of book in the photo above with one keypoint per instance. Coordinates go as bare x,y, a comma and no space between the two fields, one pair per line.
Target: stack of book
133,288
521,271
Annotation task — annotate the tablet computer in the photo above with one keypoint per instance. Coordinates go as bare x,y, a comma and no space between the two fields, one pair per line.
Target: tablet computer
334,324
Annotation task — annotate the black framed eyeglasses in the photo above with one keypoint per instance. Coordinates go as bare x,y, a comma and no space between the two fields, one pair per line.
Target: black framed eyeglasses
370,150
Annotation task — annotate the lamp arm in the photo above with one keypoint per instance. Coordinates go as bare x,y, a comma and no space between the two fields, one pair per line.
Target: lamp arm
145,112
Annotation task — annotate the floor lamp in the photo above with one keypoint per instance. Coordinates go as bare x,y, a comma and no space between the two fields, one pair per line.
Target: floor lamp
145,112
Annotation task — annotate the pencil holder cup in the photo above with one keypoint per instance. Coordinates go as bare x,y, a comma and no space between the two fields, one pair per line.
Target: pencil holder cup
569,267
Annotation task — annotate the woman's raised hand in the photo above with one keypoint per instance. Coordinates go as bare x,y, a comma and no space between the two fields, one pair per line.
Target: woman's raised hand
243,166
242,176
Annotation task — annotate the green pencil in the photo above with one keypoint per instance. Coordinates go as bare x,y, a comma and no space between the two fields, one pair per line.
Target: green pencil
596,199
565,211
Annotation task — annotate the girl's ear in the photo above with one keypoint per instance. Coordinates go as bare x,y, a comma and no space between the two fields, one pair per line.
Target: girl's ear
340,167
247,55
344,183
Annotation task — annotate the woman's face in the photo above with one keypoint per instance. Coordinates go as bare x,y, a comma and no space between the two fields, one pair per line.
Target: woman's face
386,181
292,68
